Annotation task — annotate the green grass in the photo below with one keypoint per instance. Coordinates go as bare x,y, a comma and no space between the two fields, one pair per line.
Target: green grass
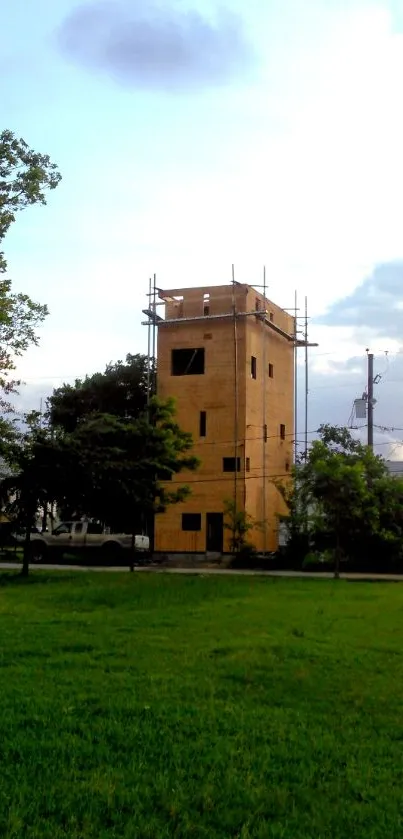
155,706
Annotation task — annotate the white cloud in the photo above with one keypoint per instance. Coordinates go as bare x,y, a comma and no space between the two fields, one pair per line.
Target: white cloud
310,185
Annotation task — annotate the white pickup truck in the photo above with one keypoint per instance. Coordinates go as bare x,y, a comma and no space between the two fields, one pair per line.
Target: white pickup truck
76,536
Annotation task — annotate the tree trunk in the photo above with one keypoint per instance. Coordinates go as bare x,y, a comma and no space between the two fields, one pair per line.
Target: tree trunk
133,552
26,552
337,554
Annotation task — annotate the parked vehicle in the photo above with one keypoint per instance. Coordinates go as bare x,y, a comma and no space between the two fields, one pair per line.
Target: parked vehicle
78,536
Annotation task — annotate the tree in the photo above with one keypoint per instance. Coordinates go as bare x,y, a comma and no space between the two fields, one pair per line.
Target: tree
120,391
115,468
112,469
25,487
344,499
239,523
25,177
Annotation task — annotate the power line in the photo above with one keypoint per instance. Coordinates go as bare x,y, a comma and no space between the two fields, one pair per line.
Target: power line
204,442
230,478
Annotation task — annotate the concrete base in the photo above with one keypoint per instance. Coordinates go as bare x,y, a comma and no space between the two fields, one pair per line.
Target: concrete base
192,560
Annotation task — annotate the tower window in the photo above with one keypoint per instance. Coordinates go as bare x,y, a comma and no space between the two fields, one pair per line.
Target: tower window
282,432
247,464
188,362
253,366
228,464
191,521
206,305
271,371
202,424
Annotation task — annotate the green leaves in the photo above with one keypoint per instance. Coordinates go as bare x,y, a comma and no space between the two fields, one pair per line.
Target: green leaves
25,176
121,390
343,496
110,468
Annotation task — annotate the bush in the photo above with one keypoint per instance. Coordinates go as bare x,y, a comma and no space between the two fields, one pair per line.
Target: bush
246,558
315,561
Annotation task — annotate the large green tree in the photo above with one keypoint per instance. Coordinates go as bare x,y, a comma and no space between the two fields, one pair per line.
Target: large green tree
118,470
342,499
104,451
121,391
25,178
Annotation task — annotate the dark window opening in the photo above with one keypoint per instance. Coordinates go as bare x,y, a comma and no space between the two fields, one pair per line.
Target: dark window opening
271,371
191,521
247,464
282,431
271,316
188,362
253,366
203,424
228,464
265,433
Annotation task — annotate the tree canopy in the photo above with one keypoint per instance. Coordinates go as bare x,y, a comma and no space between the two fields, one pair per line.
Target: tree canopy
103,452
121,391
25,178
342,499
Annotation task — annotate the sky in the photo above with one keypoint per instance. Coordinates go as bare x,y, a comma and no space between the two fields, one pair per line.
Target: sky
196,135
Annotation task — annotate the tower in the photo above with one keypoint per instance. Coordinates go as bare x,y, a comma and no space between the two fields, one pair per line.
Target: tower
226,355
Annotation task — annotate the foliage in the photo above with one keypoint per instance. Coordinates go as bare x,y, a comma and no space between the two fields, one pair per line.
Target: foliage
240,524
166,706
115,452
19,319
295,522
343,498
117,466
109,468
25,176
121,391
25,486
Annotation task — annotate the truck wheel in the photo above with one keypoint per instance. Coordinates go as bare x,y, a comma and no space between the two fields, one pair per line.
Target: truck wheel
38,552
111,552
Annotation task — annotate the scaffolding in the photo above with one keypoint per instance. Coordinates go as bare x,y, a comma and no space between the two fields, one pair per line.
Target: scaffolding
299,339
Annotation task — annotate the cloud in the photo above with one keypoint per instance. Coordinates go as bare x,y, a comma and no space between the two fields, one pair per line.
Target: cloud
158,48
376,304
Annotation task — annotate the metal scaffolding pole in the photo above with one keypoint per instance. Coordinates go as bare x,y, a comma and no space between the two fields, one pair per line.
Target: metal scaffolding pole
236,422
306,377
264,418
295,379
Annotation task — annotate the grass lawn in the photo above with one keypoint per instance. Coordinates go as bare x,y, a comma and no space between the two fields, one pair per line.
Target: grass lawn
160,706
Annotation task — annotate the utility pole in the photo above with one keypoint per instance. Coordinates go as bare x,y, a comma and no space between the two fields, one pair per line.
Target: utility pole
370,397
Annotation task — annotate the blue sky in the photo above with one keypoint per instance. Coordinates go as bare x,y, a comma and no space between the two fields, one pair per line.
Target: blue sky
192,136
